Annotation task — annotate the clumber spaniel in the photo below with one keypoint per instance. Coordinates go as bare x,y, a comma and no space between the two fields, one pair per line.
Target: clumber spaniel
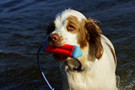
95,69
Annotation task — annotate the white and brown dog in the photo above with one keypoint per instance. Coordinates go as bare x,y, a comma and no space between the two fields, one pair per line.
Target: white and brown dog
95,69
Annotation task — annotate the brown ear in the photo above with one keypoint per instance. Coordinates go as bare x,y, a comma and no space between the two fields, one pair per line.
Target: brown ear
50,28
94,37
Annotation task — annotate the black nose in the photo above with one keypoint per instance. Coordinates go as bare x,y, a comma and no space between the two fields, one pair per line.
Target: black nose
54,37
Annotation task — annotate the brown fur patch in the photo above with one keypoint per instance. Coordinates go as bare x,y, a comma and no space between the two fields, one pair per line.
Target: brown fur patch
79,30
113,53
87,31
73,21
94,37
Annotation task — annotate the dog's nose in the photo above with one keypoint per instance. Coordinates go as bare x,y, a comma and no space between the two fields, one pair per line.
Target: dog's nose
54,37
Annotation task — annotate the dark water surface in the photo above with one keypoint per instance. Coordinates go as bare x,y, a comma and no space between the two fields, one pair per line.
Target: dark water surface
22,31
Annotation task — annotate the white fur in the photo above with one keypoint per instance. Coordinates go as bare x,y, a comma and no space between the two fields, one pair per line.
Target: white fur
99,74
60,23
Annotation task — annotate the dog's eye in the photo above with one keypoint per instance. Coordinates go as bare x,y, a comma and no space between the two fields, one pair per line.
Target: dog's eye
71,28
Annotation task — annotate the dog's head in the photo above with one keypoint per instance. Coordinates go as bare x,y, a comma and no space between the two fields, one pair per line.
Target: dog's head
67,29
72,27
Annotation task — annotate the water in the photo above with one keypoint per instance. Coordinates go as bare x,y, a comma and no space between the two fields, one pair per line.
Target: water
22,31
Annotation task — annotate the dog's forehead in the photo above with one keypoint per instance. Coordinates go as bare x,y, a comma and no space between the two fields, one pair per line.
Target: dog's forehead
60,17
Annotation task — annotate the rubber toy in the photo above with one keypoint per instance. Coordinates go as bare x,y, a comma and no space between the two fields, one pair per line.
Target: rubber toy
65,50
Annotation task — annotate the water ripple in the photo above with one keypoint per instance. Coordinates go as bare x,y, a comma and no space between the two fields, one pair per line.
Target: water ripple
23,29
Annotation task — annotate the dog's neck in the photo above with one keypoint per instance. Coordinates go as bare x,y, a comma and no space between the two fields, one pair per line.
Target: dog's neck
79,64
76,67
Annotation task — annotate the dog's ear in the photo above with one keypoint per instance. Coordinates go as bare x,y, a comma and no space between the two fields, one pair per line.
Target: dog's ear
50,28
94,37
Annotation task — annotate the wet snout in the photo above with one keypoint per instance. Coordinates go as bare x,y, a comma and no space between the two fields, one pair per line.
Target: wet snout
54,40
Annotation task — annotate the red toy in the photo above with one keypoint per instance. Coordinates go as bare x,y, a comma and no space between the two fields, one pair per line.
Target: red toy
65,50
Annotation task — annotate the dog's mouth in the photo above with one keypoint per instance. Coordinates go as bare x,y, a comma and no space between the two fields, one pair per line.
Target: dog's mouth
57,57
74,65
56,44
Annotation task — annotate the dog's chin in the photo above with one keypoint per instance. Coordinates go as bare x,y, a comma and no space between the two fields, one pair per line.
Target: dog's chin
58,57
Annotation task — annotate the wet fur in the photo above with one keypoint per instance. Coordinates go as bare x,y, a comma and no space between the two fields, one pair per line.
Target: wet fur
95,69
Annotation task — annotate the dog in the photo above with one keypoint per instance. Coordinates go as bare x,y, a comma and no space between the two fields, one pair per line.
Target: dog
95,69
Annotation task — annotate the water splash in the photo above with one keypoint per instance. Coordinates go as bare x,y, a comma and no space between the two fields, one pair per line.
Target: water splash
118,81
130,86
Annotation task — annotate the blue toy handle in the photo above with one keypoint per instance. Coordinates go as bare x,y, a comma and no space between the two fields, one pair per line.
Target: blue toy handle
76,52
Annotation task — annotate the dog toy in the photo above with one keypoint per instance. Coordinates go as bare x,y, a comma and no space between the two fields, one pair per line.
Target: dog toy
65,50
